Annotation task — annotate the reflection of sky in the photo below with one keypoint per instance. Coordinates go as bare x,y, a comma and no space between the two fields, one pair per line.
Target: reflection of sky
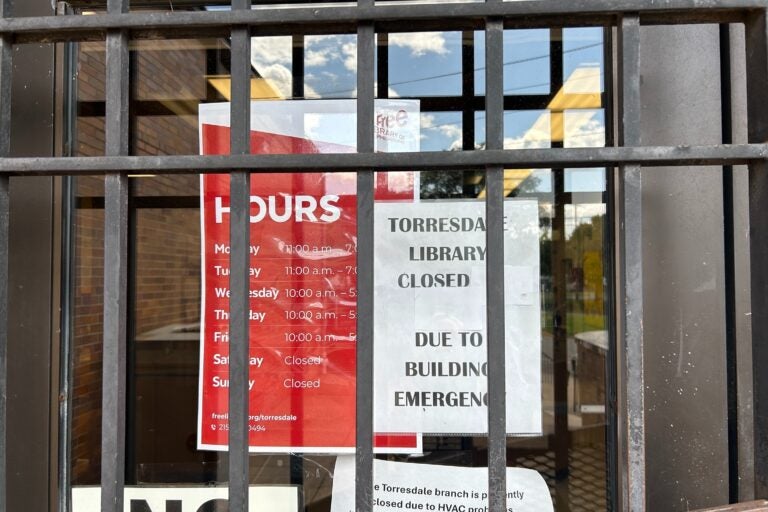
429,64
425,63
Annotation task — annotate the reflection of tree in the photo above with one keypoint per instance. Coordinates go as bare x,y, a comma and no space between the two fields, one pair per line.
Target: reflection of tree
528,186
545,255
458,184
584,248
442,185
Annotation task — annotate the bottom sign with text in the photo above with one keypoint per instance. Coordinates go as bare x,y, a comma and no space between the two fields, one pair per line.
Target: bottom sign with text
261,498
408,486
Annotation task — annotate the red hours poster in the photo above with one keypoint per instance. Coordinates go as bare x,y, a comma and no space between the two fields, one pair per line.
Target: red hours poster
303,277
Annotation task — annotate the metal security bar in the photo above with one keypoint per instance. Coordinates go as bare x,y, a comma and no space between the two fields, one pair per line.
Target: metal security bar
757,110
240,115
119,25
115,270
366,143
494,285
631,264
5,151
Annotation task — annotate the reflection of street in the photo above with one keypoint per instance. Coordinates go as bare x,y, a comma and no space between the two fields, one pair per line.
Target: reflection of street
586,352
586,383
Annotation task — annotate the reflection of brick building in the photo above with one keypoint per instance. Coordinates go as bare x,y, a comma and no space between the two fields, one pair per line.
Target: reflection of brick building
89,277
167,254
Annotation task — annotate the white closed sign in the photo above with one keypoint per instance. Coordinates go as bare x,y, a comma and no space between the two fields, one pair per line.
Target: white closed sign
275,498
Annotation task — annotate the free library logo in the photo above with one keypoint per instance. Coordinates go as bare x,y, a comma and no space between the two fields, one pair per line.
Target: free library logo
390,124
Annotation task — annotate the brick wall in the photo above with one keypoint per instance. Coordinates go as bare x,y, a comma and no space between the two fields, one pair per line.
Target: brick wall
167,249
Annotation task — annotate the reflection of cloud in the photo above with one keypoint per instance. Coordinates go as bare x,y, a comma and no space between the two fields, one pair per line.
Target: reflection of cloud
279,76
314,58
537,136
420,43
271,57
427,121
349,50
270,50
310,92
583,130
451,131
390,91
583,80
311,125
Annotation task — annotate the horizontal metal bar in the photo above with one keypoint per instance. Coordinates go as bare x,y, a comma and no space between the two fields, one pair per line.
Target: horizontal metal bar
282,19
174,107
648,156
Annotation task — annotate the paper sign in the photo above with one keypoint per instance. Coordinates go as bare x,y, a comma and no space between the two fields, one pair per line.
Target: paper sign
407,486
189,499
430,318
303,277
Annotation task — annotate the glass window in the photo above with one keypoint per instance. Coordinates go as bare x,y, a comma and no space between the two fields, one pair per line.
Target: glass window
430,310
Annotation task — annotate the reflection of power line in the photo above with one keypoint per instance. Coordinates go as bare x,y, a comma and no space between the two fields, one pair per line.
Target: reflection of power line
455,73
571,136
480,117
531,86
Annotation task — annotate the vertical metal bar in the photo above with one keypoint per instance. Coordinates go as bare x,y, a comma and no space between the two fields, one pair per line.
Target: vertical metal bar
382,65
239,280
366,58
757,110
131,403
66,358
609,255
561,443
494,212
115,271
729,246
67,354
115,325
4,225
5,151
468,90
297,66
296,461
630,254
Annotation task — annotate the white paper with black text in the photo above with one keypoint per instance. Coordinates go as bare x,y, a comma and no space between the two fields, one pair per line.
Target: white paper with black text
407,486
430,318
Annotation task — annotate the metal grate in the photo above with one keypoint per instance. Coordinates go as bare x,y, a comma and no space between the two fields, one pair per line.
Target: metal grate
118,26
587,472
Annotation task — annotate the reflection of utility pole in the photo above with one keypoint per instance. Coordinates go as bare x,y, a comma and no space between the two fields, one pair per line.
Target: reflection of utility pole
296,462
559,281
560,340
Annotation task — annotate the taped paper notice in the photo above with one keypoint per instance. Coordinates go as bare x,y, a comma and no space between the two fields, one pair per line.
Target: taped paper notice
430,342
406,486
302,278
